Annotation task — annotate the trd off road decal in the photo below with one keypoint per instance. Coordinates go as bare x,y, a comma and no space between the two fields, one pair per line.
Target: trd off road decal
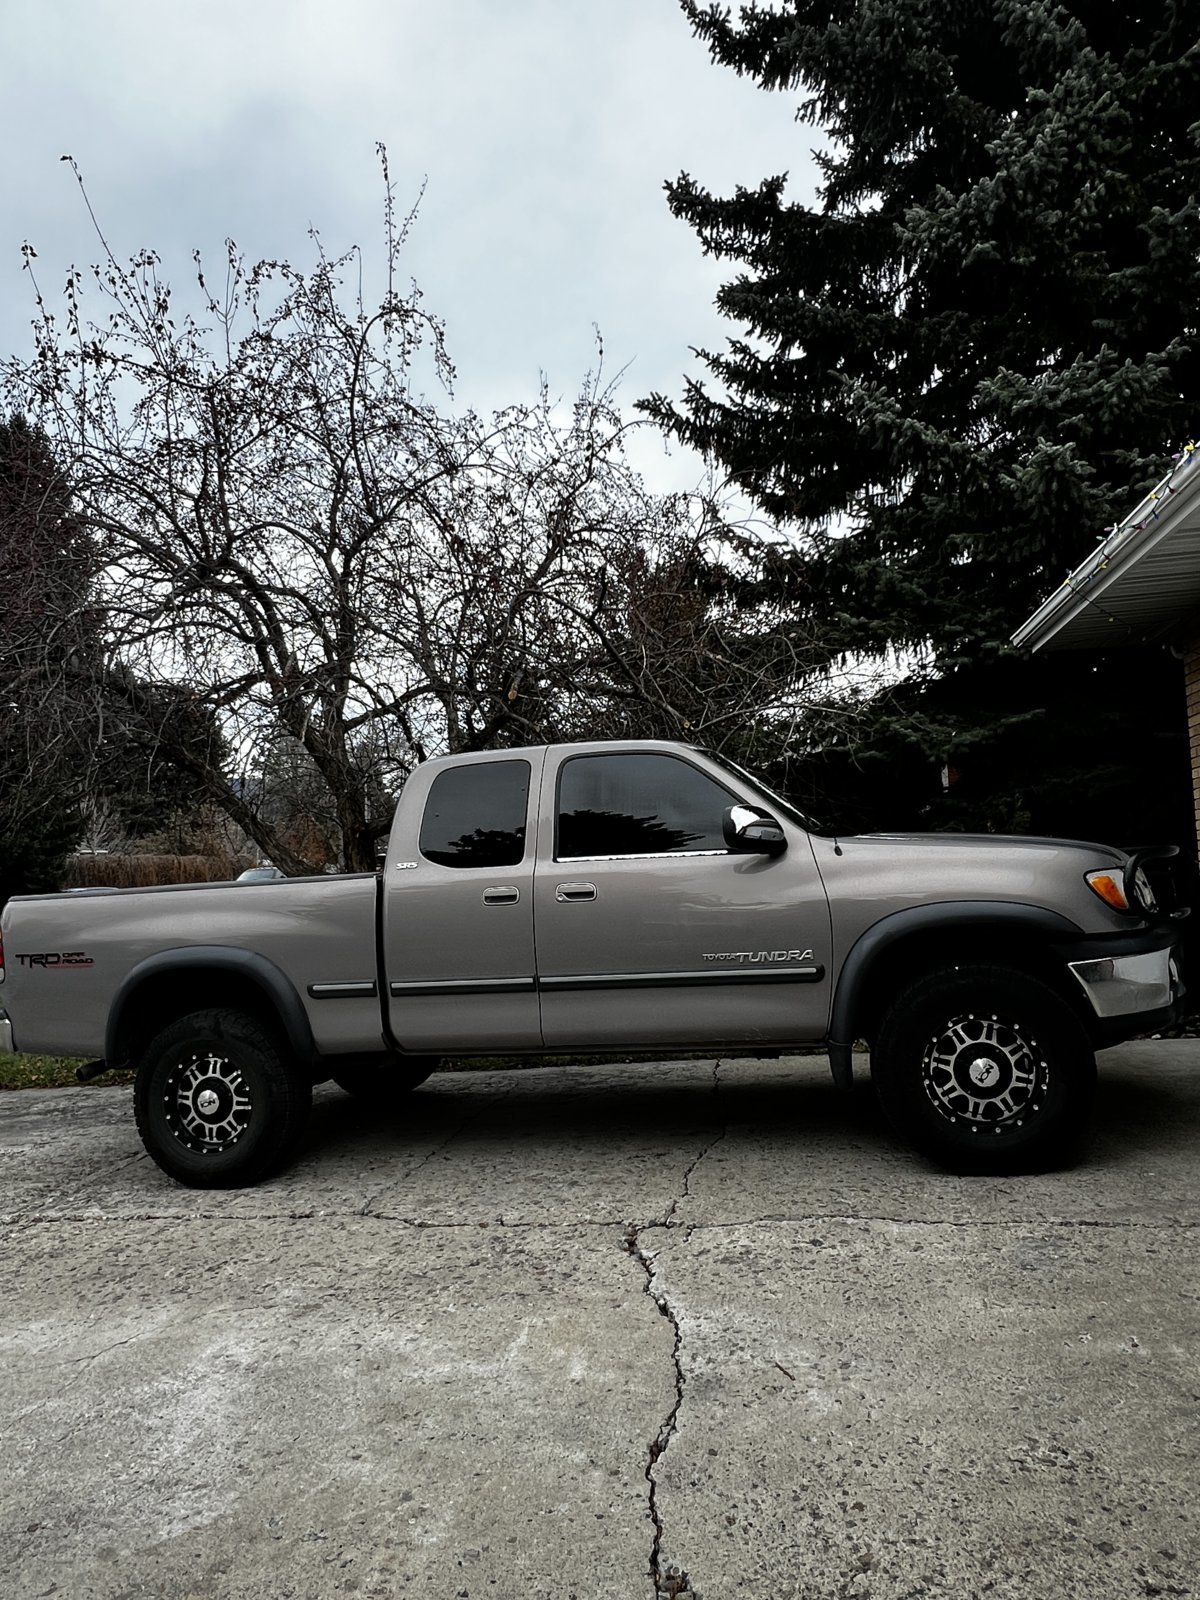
56,959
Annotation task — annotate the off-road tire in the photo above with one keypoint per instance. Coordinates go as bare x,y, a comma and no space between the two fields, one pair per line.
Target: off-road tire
219,1102
985,1069
390,1081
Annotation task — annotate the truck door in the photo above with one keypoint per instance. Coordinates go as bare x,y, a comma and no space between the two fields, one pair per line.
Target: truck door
649,931
458,907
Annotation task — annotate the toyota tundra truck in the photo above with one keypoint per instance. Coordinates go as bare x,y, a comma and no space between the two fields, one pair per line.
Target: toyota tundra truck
616,896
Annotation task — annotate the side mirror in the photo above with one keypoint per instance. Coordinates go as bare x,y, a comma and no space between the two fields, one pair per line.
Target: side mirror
750,832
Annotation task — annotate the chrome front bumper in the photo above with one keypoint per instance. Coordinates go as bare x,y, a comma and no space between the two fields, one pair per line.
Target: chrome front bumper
1121,986
6,1038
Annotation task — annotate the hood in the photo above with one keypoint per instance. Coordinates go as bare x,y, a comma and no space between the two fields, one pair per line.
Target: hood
885,872
1102,854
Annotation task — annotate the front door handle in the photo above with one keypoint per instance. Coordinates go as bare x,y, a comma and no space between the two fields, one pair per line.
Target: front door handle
502,895
575,891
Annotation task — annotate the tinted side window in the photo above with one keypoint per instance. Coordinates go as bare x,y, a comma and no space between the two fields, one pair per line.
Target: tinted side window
475,816
623,805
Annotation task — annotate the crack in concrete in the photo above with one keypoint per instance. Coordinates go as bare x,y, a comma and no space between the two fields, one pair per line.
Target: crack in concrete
366,1209
675,1581
117,1344
668,1219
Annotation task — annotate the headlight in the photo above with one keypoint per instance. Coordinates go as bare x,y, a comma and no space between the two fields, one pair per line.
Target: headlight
1122,891
1144,894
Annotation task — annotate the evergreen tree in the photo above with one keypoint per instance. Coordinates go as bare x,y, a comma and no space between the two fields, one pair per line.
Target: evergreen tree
46,633
80,736
974,353
152,737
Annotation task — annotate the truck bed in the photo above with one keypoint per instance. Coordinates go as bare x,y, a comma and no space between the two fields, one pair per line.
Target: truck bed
72,952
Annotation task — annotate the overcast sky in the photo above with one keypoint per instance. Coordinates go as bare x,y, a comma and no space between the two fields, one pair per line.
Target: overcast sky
545,129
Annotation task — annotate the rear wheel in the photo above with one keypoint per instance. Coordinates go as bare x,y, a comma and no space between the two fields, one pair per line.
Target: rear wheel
390,1080
219,1103
986,1070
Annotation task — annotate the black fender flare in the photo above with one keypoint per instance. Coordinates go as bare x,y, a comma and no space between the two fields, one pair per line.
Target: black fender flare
857,970
275,984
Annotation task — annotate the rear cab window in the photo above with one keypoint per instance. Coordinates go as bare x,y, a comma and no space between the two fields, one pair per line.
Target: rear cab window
475,815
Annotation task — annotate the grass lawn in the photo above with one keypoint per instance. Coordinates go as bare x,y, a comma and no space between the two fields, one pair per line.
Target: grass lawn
47,1072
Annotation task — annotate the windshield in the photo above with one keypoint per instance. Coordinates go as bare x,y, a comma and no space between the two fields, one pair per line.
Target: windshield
768,794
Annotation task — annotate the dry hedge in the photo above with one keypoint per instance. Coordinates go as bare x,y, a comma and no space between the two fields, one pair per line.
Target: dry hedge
139,872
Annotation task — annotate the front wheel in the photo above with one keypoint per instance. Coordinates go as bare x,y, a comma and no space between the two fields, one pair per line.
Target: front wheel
985,1070
219,1104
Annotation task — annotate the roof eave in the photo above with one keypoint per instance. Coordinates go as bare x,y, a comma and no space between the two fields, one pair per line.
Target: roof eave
1124,547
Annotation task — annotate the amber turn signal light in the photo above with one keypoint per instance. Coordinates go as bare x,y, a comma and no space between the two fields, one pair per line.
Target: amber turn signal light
1110,889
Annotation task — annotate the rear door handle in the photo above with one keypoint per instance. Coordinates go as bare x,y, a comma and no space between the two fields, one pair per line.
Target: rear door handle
575,891
502,895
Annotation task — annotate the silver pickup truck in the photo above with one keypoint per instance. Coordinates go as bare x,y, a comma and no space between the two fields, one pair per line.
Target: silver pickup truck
620,896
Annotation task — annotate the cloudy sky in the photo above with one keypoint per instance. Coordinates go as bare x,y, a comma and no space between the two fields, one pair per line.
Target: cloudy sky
545,129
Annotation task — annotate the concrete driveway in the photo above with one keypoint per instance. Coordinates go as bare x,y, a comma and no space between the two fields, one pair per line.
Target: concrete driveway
682,1329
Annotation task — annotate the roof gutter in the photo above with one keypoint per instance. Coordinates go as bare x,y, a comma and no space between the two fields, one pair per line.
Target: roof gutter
1121,547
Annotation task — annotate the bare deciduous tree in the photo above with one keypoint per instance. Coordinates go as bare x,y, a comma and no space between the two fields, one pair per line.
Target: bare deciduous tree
298,539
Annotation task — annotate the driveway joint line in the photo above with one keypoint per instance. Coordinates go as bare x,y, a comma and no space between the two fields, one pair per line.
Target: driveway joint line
669,1223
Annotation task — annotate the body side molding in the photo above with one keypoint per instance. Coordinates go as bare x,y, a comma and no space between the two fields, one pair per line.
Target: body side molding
709,978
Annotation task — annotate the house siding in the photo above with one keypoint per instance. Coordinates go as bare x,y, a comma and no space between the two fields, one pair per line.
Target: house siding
1191,680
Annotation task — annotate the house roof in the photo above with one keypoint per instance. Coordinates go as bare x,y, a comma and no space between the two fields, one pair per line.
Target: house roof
1139,582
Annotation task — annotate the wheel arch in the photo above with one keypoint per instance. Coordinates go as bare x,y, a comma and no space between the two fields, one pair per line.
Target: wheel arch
171,983
894,950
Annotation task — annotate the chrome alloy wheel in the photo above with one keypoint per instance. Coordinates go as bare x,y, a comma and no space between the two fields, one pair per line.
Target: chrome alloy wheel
207,1103
984,1075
